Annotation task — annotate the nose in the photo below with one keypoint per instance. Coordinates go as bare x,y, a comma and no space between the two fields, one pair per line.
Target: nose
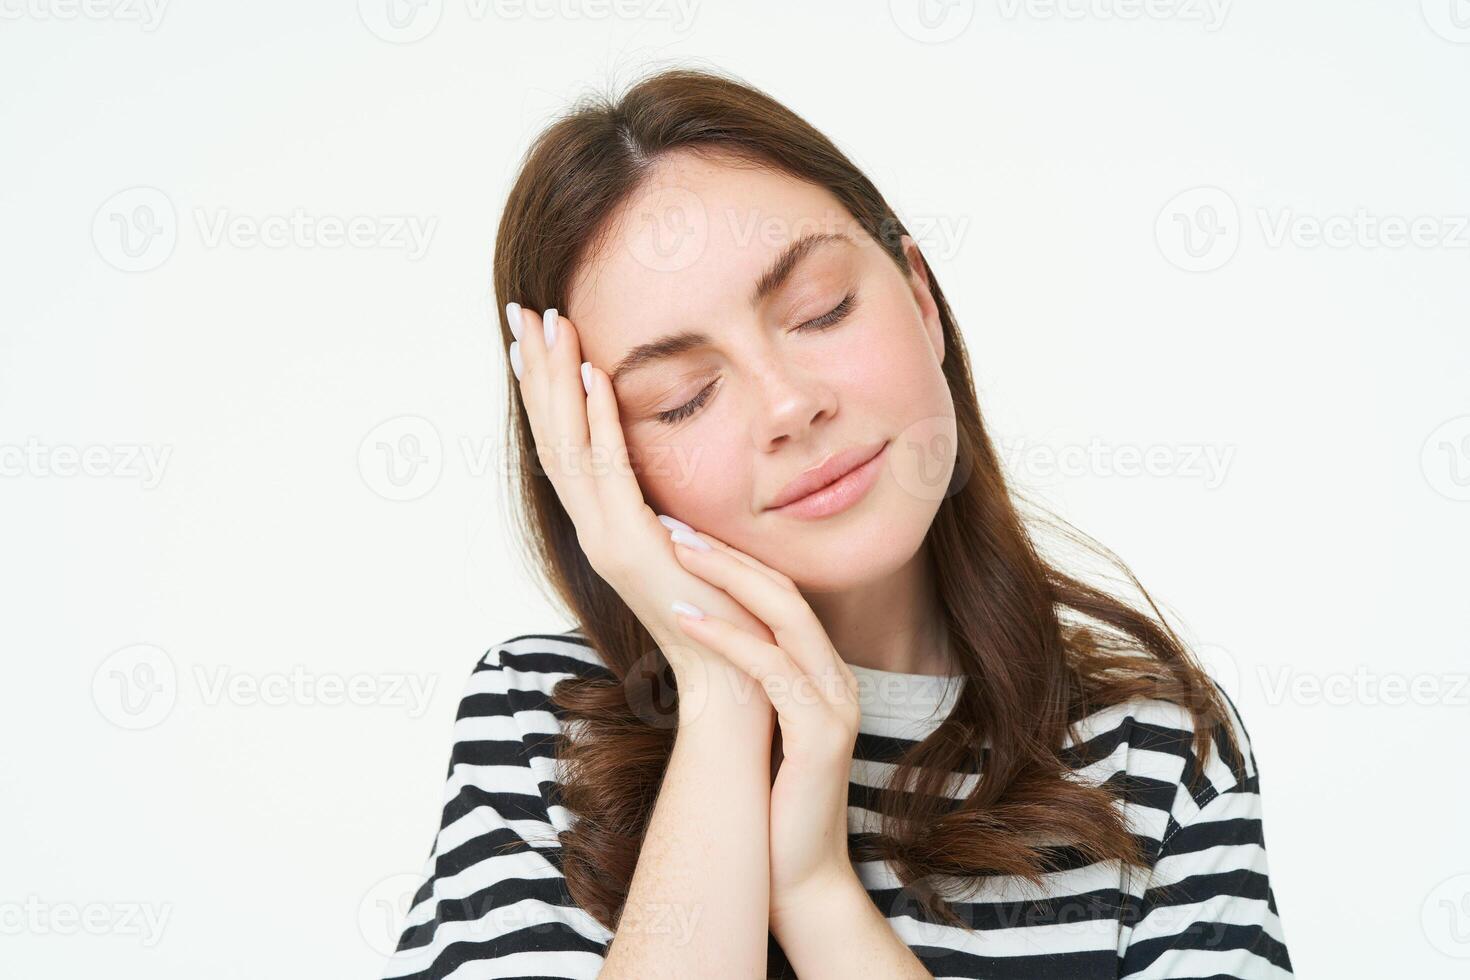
789,402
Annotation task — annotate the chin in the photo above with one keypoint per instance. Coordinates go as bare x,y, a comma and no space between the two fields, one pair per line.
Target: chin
839,557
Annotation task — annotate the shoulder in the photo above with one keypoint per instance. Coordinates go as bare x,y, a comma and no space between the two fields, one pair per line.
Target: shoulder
506,725
515,681
1146,749
516,677
532,654
493,887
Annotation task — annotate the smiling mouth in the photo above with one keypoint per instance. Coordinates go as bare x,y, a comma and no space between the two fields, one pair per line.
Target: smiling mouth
833,471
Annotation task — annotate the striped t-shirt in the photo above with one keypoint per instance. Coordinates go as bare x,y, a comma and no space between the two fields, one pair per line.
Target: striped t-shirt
495,904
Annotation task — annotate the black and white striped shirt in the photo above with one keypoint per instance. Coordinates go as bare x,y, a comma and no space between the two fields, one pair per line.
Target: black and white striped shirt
494,904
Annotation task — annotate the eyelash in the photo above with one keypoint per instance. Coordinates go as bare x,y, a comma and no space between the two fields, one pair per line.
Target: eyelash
823,322
832,317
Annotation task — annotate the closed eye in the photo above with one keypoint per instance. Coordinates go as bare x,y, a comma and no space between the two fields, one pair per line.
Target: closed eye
687,409
833,316
829,319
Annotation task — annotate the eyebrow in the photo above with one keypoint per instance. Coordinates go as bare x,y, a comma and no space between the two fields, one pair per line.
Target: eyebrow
771,280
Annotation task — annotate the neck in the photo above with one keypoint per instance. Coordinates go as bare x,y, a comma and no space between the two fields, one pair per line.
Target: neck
892,623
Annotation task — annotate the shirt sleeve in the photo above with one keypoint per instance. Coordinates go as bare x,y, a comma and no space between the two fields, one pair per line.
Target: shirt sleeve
494,902
1208,909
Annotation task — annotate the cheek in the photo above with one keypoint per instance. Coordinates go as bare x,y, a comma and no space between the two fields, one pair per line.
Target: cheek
897,381
702,480
893,369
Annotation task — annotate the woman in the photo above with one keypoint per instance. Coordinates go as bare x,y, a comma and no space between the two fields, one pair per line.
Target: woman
828,712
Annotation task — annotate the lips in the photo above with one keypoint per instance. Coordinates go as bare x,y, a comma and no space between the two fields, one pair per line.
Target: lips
830,470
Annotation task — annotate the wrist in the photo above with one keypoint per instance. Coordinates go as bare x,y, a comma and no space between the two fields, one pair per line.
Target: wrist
837,900
714,703
716,689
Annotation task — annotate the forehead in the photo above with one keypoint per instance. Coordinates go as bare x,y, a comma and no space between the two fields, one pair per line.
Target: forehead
687,248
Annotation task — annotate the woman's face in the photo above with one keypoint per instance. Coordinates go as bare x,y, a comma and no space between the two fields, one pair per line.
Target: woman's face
774,367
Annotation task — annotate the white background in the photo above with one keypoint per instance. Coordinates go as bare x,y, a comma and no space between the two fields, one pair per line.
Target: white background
1050,159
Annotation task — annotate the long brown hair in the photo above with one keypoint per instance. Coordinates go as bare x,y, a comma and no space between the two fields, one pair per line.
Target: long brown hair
1039,648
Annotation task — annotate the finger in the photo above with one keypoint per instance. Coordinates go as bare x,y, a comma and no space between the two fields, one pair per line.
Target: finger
555,409
567,396
522,323
551,351
736,553
617,486
782,609
767,663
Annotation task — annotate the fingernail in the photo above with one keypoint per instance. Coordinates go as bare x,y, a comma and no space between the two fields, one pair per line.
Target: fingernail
548,320
685,609
673,523
515,358
587,376
513,318
690,538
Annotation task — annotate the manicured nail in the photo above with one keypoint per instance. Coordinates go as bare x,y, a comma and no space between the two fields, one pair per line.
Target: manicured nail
548,320
685,609
690,538
513,318
673,523
515,358
587,376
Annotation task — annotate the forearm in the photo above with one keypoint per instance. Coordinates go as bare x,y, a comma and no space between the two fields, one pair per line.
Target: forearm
698,903
839,934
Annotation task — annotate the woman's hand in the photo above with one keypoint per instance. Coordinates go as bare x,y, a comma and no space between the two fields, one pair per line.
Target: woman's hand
573,414
815,696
